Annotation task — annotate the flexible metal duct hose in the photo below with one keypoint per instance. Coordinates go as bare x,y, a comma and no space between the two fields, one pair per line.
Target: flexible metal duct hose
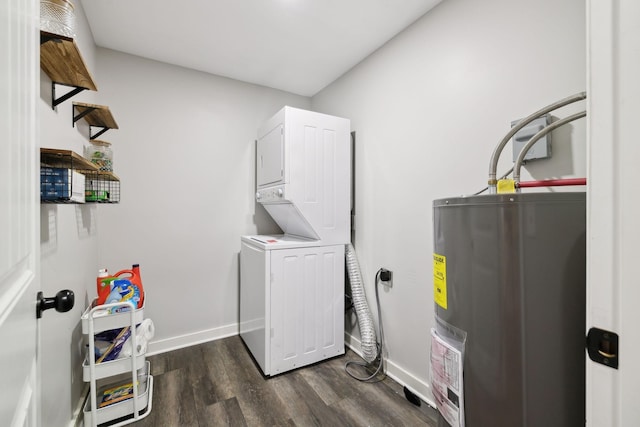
365,320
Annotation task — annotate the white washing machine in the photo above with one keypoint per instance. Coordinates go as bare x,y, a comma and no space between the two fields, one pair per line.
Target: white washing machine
292,301
292,285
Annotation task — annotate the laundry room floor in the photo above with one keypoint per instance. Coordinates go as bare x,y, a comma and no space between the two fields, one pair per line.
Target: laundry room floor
218,384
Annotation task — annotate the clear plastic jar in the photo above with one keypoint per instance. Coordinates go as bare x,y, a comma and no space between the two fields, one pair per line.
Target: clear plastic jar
100,154
57,17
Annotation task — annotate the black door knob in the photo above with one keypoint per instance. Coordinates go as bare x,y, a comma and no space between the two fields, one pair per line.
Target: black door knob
62,302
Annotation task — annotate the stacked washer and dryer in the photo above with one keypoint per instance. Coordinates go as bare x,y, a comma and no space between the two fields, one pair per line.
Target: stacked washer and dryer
292,285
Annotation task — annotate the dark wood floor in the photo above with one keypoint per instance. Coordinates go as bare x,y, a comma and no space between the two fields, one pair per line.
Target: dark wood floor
219,384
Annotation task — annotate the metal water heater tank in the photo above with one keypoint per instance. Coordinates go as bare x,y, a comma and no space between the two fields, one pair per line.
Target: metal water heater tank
514,285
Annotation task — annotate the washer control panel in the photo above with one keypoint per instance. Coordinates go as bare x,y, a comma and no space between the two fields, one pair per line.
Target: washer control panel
271,195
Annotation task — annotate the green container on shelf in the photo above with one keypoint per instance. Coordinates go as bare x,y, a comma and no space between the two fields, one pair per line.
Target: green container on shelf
96,195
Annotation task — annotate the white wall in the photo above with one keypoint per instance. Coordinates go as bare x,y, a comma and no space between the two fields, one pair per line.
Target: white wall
185,156
428,109
69,251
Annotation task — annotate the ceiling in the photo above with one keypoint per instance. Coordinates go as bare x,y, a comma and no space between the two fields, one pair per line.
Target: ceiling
299,46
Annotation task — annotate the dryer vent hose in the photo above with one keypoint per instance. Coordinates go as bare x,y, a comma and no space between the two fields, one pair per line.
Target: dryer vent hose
369,345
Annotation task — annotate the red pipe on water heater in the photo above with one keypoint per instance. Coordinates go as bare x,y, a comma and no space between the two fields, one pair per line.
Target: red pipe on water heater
553,182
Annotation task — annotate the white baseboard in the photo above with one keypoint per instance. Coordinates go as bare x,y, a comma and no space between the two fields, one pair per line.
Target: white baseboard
175,343
417,386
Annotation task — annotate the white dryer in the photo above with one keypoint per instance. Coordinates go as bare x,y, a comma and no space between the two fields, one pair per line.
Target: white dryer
292,285
303,167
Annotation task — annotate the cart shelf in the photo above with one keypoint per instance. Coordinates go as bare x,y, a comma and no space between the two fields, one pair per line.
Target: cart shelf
103,376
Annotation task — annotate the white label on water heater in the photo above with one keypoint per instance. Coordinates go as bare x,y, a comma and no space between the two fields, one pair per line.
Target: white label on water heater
446,380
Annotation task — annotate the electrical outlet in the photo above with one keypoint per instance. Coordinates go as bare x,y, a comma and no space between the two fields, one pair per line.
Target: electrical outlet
385,276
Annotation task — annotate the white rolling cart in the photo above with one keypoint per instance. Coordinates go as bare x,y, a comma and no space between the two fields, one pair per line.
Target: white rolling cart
128,370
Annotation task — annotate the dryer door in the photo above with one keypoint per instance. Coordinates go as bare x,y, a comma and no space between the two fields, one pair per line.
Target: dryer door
270,158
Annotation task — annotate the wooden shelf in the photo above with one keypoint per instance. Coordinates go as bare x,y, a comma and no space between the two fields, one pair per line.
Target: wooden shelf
58,176
101,186
54,158
60,58
67,159
96,116
107,176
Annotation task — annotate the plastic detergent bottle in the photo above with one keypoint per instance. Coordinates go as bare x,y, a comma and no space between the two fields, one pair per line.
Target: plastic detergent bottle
135,279
123,290
103,285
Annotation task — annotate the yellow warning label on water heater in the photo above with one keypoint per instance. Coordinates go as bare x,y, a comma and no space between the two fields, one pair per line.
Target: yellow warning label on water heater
440,280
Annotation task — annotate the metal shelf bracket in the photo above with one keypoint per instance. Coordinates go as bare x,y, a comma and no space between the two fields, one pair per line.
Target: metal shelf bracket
102,130
57,101
81,114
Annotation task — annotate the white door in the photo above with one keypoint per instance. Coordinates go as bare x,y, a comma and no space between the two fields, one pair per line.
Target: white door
19,229
613,227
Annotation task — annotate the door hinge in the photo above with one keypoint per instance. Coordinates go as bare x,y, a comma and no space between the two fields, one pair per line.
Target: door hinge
602,347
